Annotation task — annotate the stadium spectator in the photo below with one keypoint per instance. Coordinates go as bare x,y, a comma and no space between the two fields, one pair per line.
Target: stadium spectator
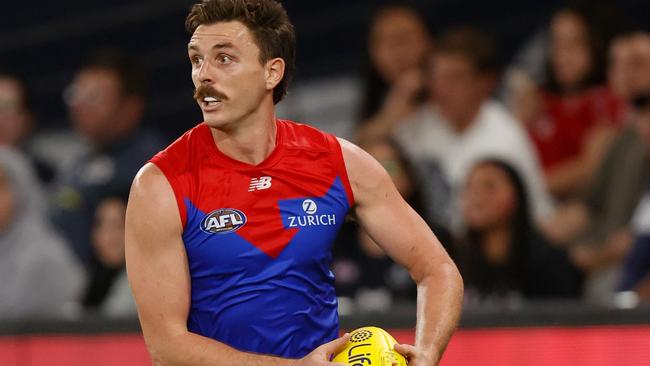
629,66
577,116
397,44
361,268
40,277
17,123
397,49
461,124
16,120
597,228
106,106
107,291
503,258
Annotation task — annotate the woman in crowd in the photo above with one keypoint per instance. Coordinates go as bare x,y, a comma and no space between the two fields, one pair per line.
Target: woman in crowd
107,291
398,45
40,278
502,256
578,115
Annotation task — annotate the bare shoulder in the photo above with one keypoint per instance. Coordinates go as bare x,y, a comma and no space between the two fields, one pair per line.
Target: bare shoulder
151,184
152,201
354,156
367,177
149,180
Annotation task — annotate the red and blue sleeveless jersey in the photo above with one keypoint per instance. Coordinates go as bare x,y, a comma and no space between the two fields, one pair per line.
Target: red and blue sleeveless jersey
258,238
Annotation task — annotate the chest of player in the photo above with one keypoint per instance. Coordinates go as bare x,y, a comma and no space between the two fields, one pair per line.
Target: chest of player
246,220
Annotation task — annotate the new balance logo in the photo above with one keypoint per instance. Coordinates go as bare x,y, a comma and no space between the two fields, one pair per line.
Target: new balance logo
257,184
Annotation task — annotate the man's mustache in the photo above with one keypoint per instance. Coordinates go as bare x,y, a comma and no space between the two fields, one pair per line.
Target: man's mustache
208,91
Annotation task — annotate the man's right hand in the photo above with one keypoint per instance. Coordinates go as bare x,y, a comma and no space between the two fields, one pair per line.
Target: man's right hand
322,355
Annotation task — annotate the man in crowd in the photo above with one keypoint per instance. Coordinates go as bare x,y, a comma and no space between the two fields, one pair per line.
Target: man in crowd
462,125
106,106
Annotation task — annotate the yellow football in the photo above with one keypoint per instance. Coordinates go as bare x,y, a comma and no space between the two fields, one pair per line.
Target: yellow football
370,346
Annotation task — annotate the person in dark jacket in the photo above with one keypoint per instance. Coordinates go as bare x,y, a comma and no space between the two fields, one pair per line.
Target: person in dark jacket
503,258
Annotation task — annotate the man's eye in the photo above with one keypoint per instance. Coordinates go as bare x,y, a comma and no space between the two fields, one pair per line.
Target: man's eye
224,59
196,60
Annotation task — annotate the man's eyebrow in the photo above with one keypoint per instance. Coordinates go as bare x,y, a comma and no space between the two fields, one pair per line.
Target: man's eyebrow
219,45
224,45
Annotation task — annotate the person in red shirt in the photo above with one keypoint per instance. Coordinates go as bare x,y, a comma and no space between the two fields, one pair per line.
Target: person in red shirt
579,115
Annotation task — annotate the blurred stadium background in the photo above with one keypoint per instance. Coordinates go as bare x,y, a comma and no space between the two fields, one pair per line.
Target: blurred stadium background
45,43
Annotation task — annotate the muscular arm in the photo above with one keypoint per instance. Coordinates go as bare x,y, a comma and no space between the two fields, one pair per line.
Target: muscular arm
158,273
406,238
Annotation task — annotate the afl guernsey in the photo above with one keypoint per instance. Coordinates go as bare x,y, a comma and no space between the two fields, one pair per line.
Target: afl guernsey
258,238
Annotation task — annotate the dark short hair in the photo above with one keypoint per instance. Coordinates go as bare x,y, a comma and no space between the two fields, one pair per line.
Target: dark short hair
129,71
268,22
470,43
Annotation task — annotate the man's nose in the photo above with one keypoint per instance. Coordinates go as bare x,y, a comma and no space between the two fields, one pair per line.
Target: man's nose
206,76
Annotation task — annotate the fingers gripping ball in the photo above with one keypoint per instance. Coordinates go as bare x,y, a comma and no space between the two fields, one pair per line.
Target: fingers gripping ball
370,346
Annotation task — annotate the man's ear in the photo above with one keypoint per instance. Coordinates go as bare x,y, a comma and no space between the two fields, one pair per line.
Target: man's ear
274,72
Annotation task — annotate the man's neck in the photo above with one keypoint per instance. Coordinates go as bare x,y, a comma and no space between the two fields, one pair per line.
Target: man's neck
459,123
251,141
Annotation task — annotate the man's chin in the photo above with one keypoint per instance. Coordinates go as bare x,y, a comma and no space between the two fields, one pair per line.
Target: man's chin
213,122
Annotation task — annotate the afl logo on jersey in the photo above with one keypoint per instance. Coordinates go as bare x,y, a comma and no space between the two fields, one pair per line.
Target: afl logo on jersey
222,221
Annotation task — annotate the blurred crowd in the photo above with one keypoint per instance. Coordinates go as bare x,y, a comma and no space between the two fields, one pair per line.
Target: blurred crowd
535,176
63,194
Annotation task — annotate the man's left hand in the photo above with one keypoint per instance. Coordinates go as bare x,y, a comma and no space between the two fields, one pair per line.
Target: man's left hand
416,357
